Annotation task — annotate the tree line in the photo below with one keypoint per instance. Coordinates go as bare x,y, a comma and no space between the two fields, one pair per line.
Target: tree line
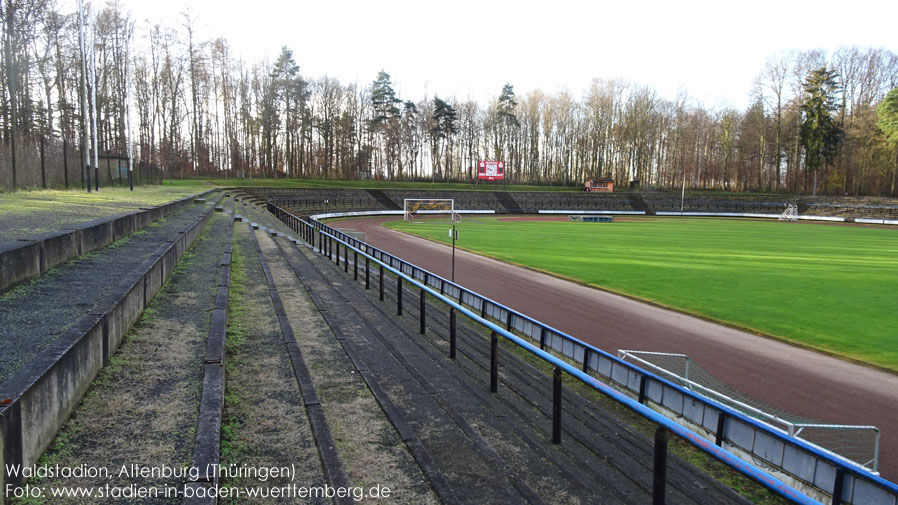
816,122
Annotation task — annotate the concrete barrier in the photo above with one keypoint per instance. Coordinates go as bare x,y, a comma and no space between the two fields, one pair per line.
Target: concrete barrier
30,257
19,261
37,400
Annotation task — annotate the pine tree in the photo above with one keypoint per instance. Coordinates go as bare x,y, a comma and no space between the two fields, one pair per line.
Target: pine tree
386,116
887,121
821,135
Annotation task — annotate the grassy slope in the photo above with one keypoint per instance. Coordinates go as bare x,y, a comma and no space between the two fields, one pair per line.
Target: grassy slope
317,183
827,287
26,213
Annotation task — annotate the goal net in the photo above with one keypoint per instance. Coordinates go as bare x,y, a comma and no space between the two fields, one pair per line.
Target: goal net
790,214
855,442
433,208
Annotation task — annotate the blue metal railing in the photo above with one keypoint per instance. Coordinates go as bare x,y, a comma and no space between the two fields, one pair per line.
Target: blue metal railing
830,473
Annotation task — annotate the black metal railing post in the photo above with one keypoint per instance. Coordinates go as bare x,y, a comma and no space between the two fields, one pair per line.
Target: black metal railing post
494,362
838,486
659,477
452,333
367,273
643,384
422,302
398,295
338,253
721,425
586,352
556,405
355,265
542,339
345,259
381,279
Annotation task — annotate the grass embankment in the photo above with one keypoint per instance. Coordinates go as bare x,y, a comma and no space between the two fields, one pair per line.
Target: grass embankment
31,212
366,184
830,288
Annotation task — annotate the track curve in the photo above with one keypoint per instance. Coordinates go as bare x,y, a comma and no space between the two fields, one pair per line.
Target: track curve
798,380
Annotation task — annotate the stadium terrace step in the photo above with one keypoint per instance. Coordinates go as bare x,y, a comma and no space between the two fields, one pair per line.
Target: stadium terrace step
43,309
62,328
143,408
384,200
25,257
637,202
508,202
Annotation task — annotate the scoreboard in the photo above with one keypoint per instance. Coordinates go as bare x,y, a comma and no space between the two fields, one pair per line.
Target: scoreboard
491,170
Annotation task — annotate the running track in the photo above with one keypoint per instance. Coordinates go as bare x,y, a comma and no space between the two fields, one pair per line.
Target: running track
798,380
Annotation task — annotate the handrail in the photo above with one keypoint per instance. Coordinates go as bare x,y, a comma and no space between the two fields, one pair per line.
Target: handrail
841,465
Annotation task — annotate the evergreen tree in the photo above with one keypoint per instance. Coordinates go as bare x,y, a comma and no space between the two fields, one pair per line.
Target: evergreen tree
445,126
385,121
291,90
887,121
821,135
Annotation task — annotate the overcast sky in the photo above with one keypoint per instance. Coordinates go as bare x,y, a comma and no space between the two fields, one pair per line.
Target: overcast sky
468,48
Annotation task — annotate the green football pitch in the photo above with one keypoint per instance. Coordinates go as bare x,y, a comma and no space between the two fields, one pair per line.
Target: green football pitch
833,288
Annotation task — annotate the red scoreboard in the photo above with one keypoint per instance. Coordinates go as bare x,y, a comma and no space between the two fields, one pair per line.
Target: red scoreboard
491,170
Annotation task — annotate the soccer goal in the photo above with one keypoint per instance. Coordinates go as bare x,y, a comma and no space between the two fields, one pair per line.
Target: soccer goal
416,208
790,214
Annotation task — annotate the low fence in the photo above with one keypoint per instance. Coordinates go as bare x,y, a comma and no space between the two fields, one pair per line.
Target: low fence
787,462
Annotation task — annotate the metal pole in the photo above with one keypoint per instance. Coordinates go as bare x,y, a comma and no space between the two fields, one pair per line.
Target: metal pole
452,333
556,406
659,477
876,452
839,486
93,105
86,130
128,102
367,274
355,265
683,194
721,425
422,302
454,237
381,280
494,362
65,160
398,295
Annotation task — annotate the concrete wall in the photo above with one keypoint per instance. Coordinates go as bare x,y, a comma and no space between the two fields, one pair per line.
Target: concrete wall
37,401
30,257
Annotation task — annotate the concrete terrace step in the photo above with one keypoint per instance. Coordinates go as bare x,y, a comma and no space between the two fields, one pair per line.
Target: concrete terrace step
25,257
487,448
33,315
142,410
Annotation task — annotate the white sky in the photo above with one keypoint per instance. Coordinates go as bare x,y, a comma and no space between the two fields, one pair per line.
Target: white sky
711,49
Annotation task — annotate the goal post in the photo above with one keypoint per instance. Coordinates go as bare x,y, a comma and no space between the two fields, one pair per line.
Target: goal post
437,207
